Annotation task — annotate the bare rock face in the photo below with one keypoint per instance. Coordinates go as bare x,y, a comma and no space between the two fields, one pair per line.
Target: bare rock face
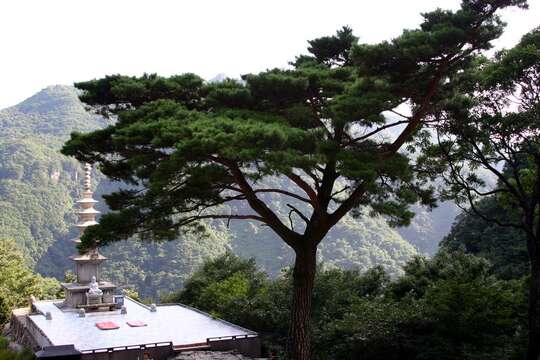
211,355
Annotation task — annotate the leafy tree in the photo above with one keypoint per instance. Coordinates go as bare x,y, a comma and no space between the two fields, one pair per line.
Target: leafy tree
220,283
18,283
495,120
453,309
188,148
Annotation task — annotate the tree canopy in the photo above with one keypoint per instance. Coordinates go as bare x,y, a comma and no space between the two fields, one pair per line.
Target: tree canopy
192,146
188,147
493,124
38,186
504,247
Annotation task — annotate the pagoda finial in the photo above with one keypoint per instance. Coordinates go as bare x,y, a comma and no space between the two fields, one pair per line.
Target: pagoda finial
87,213
87,177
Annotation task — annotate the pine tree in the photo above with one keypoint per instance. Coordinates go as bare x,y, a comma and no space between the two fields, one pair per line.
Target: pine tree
188,147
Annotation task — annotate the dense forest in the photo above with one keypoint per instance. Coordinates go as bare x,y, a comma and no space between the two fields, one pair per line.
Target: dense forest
38,187
452,306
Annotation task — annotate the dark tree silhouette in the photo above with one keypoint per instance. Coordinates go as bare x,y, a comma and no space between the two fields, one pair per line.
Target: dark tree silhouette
495,128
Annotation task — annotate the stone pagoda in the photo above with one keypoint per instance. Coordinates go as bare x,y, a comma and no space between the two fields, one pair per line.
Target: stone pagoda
89,290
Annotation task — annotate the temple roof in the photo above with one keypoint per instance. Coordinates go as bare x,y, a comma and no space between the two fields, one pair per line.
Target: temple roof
177,323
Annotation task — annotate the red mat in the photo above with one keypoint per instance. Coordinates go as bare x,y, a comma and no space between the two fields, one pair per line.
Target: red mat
136,323
107,325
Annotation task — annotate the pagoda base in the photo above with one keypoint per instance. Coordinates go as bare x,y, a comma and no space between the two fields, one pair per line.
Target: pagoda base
75,294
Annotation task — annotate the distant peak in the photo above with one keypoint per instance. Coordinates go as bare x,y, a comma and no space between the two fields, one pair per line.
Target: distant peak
56,90
53,97
54,110
218,78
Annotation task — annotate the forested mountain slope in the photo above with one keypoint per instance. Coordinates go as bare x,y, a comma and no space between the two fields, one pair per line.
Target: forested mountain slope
429,227
38,186
504,247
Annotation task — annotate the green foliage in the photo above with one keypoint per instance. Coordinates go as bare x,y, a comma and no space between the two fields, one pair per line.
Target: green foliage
440,315
429,227
449,307
481,130
494,120
192,147
37,184
8,354
221,283
504,247
18,283
361,242
420,273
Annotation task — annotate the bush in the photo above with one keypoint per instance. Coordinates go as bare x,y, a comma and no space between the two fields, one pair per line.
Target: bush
448,307
8,354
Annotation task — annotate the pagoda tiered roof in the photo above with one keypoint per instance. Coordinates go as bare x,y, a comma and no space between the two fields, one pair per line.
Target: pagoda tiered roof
84,200
88,257
89,211
86,224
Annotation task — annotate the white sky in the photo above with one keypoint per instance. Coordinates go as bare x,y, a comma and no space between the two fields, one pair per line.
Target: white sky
63,41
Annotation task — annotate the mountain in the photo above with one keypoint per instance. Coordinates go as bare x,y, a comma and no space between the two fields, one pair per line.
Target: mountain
38,186
504,247
429,227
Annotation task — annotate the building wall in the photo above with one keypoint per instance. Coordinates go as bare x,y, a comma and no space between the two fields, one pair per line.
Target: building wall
245,345
35,332
155,353
25,331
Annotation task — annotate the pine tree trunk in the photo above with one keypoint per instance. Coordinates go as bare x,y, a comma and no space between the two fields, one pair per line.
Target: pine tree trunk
533,349
298,343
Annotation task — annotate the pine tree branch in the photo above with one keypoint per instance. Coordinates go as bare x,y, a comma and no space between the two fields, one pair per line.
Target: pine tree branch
298,212
273,190
377,130
416,119
268,216
351,202
307,189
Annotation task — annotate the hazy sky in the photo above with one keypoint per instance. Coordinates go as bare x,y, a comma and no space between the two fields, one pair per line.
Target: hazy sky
63,41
